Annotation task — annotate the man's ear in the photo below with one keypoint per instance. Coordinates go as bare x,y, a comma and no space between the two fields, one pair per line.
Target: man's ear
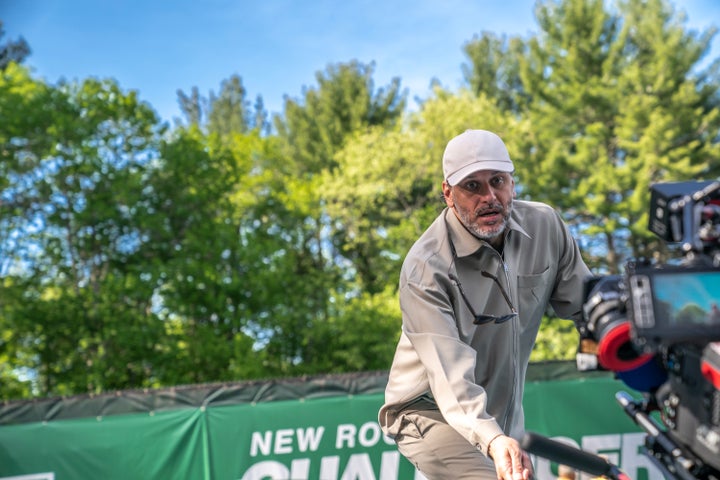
447,194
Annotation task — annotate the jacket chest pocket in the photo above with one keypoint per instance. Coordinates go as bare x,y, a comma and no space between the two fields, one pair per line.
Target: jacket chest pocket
534,291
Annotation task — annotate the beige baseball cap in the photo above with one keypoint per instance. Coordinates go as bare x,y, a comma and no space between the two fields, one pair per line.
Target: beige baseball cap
475,150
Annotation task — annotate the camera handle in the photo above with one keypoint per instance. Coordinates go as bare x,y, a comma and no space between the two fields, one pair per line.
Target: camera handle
690,208
573,457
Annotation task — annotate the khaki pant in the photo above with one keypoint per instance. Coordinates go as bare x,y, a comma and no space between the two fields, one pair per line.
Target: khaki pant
438,451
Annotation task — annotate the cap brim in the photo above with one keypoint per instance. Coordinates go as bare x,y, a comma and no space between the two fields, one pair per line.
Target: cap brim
494,165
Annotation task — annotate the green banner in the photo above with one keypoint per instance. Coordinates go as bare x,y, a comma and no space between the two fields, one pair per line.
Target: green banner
331,437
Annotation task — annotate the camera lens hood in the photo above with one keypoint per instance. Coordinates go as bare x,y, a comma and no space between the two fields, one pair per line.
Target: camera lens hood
616,351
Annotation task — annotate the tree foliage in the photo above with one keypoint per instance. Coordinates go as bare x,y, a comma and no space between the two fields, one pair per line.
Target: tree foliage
226,113
345,101
69,233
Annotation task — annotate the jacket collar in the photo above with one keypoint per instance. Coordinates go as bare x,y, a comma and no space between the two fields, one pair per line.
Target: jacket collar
465,242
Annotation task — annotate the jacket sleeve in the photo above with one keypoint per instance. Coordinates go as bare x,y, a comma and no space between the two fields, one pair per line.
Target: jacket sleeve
567,296
429,324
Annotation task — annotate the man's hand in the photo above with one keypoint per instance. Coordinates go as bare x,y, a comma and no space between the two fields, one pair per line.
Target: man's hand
511,461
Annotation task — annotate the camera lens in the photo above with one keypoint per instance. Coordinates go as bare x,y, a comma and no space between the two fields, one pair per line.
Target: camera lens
606,313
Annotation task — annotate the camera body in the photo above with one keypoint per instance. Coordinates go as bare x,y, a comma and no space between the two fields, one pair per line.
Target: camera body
673,304
657,327
687,213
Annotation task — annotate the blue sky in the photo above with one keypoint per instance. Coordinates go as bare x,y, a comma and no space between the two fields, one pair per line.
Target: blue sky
276,46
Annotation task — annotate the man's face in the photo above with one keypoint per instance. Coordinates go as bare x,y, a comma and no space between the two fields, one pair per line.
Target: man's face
483,202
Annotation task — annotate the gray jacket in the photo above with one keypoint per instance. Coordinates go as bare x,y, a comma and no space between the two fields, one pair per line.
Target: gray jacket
475,374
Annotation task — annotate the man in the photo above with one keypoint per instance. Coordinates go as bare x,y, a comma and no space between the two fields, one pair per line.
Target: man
473,290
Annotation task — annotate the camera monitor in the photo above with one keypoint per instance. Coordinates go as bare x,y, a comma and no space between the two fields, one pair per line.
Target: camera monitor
674,304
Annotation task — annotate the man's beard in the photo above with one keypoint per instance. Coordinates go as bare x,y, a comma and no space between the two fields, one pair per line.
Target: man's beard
486,232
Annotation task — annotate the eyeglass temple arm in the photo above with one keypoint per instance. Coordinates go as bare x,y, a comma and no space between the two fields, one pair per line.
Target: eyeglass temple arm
502,289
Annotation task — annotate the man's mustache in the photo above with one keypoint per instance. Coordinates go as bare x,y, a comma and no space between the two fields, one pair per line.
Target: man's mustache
494,208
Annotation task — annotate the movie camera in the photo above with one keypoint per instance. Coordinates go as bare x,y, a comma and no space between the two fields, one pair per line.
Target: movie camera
657,327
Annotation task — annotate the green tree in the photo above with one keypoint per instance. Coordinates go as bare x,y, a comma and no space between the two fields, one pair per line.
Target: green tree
75,161
494,70
616,105
192,246
129,261
316,276
229,111
25,126
344,101
226,113
667,127
192,106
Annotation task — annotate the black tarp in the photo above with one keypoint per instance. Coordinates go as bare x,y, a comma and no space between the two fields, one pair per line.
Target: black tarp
231,393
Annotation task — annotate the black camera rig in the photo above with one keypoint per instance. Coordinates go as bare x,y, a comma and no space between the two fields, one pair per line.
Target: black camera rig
657,327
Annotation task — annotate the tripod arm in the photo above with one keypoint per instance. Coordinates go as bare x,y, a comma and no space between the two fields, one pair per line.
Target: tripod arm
663,450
